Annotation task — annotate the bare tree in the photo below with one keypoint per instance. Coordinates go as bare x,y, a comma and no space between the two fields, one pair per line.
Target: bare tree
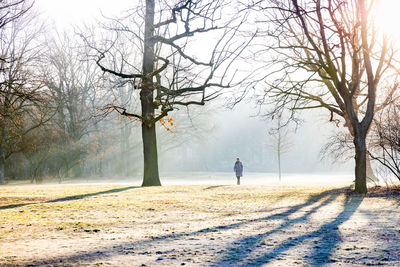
328,54
385,139
280,141
39,150
72,81
180,54
22,100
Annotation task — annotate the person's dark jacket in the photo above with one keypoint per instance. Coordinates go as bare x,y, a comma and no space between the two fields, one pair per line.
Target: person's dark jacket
238,168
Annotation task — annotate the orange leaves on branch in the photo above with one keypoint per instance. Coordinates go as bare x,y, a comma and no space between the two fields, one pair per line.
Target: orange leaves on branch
169,124
129,117
121,112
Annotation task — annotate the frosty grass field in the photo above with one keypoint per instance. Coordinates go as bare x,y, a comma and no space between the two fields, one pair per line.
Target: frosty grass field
273,224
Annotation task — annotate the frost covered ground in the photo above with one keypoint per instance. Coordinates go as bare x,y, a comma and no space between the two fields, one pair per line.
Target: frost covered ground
198,225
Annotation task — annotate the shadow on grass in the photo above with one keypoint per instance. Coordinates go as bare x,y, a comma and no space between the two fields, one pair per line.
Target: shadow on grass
326,238
213,187
70,198
245,244
13,206
243,247
111,191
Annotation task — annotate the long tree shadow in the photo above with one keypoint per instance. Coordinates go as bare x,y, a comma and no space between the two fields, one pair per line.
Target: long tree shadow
213,187
327,235
69,198
118,249
246,245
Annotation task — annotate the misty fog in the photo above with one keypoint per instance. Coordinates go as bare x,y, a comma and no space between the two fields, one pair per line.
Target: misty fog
238,133
210,142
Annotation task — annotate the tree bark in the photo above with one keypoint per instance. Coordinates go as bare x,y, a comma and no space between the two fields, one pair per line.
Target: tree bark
150,173
150,167
361,165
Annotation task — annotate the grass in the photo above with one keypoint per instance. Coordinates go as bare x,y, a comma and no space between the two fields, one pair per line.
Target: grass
48,206
50,209
111,219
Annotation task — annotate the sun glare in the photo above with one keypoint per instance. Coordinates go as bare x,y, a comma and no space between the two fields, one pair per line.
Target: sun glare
388,17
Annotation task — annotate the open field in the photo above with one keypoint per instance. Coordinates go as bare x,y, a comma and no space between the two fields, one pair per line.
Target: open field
197,225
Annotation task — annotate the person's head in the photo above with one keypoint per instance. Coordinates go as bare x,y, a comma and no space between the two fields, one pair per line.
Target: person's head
237,159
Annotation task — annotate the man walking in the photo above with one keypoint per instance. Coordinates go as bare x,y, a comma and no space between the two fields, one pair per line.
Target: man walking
238,169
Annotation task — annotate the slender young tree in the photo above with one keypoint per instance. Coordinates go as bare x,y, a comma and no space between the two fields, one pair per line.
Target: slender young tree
329,54
182,56
280,141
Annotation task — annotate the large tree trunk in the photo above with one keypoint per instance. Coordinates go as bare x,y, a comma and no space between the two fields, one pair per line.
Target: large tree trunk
361,165
150,173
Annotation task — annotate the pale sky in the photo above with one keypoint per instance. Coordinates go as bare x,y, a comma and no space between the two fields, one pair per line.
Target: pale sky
67,12
72,12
